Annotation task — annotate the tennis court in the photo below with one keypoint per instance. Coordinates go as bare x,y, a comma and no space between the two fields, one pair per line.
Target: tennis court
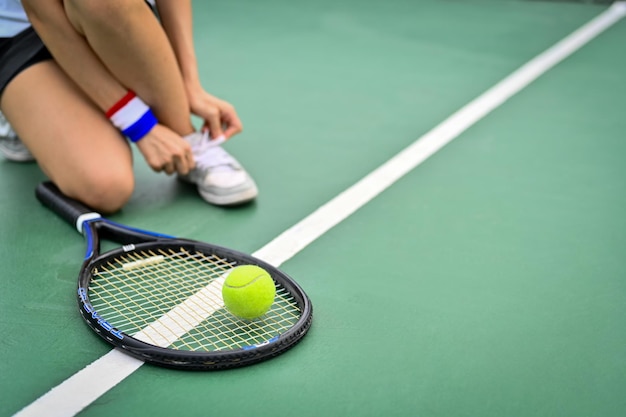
489,280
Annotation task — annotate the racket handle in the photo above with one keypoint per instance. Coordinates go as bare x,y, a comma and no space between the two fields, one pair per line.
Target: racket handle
66,208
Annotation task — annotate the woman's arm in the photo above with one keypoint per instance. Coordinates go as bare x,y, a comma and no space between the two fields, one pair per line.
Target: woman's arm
220,116
177,22
163,149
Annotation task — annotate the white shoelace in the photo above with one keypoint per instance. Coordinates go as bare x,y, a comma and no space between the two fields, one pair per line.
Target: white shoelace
210,155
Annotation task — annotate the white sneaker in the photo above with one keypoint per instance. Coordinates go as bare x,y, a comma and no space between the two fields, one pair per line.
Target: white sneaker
11,146
221,180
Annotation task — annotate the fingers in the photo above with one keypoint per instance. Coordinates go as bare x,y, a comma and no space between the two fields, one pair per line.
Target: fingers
190,159
180,162
213,122
229,125
220,117
184,163
233,125
165,151
168,168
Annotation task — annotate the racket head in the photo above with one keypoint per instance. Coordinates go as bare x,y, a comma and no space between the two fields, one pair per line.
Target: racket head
159,298
161,302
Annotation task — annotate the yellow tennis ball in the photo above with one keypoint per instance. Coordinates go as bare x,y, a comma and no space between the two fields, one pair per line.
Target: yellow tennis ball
248,291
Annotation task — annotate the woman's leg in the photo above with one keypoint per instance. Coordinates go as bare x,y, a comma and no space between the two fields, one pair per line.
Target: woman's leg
73,142
131,43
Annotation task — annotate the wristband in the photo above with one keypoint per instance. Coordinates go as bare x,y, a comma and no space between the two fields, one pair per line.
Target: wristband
132,117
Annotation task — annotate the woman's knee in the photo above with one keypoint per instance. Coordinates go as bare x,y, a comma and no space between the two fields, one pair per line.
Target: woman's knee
81,12
103,192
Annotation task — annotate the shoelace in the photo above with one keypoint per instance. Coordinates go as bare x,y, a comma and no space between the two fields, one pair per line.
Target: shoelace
210,155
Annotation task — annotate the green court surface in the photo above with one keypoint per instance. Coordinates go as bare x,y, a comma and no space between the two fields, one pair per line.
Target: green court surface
489,281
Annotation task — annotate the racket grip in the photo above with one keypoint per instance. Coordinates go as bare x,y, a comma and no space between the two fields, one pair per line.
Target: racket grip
66,208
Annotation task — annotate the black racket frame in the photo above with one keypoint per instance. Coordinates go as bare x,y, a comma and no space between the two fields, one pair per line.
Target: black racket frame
141,240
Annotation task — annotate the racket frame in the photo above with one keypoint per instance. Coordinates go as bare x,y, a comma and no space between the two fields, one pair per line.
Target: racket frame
95,228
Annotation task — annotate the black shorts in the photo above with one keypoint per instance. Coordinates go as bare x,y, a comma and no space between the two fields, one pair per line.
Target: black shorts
18,53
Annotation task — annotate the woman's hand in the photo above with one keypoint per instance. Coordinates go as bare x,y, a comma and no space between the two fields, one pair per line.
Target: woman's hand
166,151
219,116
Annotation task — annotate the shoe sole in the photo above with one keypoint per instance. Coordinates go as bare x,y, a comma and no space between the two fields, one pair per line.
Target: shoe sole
16,157
235,199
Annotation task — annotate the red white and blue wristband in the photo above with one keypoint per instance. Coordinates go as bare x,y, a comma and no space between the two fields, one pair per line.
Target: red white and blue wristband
132,117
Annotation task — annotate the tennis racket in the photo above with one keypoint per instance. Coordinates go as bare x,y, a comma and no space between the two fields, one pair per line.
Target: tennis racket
159,298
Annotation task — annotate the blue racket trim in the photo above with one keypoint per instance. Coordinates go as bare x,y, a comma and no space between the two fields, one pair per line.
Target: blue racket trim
90,240
82,293
134,229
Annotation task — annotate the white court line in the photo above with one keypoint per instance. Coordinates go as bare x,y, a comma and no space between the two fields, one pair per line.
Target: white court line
84,387
183,318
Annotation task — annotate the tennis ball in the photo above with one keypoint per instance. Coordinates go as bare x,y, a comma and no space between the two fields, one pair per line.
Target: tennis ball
248,291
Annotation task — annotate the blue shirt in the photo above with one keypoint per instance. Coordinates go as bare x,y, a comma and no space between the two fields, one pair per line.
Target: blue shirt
13,18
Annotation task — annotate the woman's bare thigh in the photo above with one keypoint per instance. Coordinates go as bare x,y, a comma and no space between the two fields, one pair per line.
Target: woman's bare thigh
72,140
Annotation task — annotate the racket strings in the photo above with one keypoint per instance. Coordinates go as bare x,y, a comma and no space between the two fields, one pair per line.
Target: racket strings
172,298
155,290
182,276
143,293
230,331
